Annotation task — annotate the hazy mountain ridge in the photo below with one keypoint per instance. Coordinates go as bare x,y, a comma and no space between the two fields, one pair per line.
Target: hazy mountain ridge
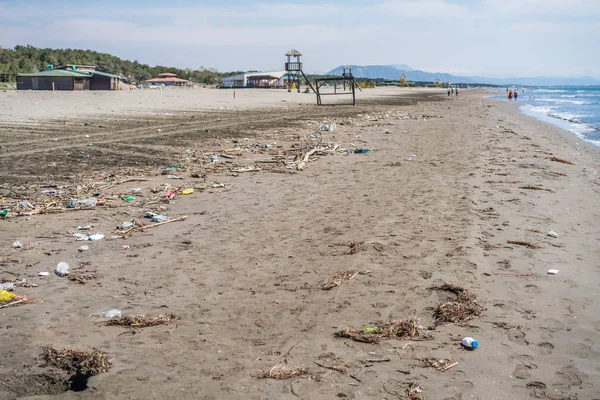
393,72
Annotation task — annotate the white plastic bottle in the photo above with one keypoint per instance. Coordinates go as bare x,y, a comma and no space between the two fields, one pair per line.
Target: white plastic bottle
62,269
470,343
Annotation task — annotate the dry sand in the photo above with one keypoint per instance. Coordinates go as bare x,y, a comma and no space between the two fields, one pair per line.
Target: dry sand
435,201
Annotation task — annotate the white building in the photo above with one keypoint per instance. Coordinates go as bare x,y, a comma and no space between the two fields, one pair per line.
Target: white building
255,79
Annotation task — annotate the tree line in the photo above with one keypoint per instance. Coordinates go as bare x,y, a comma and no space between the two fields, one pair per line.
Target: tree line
27,59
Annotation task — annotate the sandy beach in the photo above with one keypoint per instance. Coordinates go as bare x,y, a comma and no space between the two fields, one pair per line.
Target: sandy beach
450,206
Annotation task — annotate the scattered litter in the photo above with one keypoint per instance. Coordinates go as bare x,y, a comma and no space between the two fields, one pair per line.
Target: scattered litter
128,198
136,190
44,273
97,236
24,205
62,269
83,276
8,286
6,296
441,365
17,244
142,321
552,272
83,203
83,248
217,185
360,151
174,177
553,234
84,228
4,213
188,191
114,313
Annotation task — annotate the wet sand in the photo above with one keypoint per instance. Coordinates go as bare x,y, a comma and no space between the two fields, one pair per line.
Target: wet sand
446,184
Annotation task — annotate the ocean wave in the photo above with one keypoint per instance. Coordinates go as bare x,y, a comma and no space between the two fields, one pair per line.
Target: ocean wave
540,109
576,102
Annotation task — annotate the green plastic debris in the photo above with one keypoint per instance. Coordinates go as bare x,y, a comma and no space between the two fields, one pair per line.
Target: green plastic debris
177,166
4,213
372,330
128,198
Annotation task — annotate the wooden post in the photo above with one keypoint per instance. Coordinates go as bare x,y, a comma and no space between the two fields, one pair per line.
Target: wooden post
234,94
353,93
53,86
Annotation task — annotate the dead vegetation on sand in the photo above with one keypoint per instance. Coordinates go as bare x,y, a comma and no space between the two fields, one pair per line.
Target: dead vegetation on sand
501,181
281,372
339,279
532,187
560,160
87,363
465,308
84,276
401,329
354,246
441,364
142,321
531,245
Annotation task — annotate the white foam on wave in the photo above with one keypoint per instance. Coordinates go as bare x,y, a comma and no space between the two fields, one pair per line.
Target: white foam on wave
576,102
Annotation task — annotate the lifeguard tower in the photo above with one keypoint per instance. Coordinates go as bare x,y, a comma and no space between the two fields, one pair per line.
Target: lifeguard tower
294,72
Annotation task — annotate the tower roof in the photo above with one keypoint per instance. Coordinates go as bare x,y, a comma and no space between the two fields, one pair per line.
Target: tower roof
293,53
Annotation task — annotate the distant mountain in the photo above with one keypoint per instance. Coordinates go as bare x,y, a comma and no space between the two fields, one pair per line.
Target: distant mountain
393,72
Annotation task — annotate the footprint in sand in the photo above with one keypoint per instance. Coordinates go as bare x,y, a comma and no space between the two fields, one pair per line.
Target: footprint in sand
521,372
517,337
527,361
538,390
570,377
552,325
545,348
532,289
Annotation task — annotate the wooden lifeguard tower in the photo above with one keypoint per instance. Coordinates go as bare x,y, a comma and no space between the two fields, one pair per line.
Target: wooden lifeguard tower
293,68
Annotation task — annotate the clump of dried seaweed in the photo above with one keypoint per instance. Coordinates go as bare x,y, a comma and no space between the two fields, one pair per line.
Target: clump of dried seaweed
141,245
398,329
353,245
441,364
413,391
87,363
526,244
339,279
531,187
142,321
394,164
280,372
84,276
560,160
463,309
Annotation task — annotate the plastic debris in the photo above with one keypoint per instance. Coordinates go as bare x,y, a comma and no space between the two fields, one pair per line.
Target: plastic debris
158,218
8,286
97,236
6,296
552,272
84,228
188,191
218,185
83,203
469,343
44,273
83,248
17,244
174,177
24,205
125,225
114,313
553,234
128,198
4,213
62,269
136,190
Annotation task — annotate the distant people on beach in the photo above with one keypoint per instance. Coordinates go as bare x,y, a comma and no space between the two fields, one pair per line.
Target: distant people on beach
448,91
457,90
516,94
452,90
510,95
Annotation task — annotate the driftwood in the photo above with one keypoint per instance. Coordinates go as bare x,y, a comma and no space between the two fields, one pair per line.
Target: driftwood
141,228
302,163
247,169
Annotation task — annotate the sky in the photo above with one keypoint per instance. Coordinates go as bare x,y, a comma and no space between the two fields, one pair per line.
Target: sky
493,38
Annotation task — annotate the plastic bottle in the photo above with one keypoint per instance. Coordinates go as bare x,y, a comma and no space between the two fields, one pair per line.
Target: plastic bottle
136,190
470,343
83,248
114,313
4,213
97,236
84,228
125,225
158,218
17,244
62,269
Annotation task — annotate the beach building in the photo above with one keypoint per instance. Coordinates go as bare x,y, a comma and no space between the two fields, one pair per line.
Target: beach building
69,77
255,80
168,79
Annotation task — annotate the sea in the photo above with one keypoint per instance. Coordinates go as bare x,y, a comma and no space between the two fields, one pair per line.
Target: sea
576,109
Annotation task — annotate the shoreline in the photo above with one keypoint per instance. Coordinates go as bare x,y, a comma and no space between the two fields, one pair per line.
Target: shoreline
446,194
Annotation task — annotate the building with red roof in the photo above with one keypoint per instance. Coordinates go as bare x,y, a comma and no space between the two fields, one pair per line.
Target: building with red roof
168,79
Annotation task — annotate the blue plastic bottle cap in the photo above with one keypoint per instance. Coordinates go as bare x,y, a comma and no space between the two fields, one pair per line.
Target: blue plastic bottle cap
475,344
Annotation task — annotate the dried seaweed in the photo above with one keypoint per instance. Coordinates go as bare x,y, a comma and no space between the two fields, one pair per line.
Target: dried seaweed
280,372
354,246
84,276
142,321
87,363
560,160
441,364
526,244
531,187
413,391
398,329
502,181
339,279
463,309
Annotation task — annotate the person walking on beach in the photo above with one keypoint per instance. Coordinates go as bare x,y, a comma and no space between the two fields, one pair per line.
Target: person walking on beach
457,90
448,91
510,95
516,94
